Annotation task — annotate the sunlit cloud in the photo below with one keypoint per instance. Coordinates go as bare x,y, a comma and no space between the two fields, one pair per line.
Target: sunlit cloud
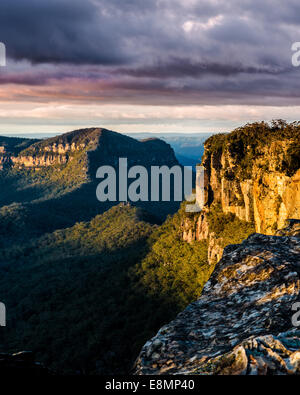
161,64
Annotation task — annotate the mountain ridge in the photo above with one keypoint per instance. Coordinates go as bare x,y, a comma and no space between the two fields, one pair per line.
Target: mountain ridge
119,257
51,175
56,148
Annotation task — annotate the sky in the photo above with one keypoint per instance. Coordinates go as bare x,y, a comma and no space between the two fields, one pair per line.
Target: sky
147,65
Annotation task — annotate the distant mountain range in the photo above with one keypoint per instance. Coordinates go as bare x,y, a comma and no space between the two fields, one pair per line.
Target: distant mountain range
188,147
86,283
46,176
71,267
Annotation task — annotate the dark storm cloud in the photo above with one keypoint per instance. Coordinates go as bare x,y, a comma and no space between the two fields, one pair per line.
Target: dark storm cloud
178,67
148,49
59,31
119,31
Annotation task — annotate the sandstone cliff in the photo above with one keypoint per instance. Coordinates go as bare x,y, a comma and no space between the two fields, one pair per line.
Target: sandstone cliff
40,179
256,179
254,174
10,147
242,324
60,150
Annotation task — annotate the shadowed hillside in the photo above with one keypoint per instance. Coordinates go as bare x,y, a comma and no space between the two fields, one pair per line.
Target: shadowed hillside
52,183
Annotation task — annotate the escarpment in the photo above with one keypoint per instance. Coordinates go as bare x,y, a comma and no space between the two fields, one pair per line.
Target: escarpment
253,174
42,178
73,158
108,146
10,147
243,322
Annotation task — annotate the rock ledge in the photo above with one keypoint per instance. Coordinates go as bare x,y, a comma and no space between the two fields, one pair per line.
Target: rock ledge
242,324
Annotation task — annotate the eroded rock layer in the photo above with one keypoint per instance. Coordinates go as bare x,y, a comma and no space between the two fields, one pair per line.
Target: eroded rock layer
242,324
252,173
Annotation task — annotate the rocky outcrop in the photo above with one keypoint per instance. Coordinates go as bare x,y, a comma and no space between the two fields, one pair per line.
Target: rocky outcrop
242,324
253,173
257,180
39,161
196,228
54,151
103,145
215,248
5,160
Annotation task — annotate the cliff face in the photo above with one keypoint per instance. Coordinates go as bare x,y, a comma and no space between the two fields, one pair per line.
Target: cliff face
258,191
254,174
197,228
48,176
242,324
10,147
108,146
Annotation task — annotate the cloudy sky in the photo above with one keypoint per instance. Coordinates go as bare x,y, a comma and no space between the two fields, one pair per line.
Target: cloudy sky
147,65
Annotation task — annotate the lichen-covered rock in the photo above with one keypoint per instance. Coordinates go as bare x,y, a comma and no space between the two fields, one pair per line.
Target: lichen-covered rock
242,324
292,228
